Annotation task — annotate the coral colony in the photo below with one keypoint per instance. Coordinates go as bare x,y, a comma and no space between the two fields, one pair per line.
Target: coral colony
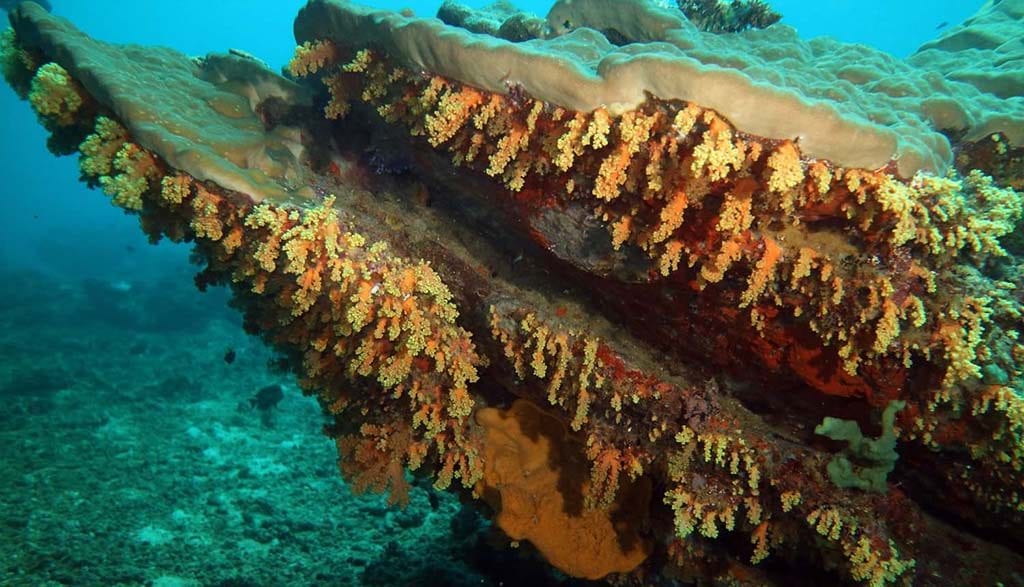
721,306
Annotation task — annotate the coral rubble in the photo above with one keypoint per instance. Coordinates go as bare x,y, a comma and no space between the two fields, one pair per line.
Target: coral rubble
611,287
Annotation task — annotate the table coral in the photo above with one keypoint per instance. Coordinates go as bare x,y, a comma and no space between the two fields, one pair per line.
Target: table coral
615,315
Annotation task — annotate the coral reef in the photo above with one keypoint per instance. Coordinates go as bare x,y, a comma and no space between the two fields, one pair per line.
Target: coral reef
718,16
501,19
980,52
609,305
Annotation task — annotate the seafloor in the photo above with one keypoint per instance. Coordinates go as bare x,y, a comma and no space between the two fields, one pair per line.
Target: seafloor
132,456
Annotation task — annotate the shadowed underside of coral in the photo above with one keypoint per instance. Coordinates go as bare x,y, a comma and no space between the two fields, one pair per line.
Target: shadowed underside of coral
616,327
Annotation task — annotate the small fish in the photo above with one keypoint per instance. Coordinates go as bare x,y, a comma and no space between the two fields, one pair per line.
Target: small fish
942,25
267,398
229,356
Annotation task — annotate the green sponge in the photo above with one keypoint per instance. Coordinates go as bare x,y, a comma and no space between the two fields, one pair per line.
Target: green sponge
878,455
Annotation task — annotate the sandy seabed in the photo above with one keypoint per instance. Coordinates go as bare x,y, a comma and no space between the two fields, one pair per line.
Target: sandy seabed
132,457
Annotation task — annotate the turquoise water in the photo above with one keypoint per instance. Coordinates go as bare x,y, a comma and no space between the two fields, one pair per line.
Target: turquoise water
133,455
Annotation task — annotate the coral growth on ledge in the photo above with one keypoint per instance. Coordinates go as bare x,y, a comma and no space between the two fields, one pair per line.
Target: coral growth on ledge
652,330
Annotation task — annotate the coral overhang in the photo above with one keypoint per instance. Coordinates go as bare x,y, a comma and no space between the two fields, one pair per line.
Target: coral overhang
686,298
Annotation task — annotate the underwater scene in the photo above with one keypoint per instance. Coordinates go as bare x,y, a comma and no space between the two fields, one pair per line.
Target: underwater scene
535,292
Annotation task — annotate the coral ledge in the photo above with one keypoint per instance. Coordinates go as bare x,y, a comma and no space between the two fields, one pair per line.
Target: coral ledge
604,274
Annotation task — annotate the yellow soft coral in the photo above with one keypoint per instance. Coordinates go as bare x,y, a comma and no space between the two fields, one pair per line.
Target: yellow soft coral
17,65
134,171
671,217
123,169
310,58
786,168
877,569
453,111
764,273
54,95
634,128
1002,209
97,152
718,155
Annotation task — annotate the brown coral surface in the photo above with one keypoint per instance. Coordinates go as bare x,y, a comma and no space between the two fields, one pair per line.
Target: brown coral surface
616,327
